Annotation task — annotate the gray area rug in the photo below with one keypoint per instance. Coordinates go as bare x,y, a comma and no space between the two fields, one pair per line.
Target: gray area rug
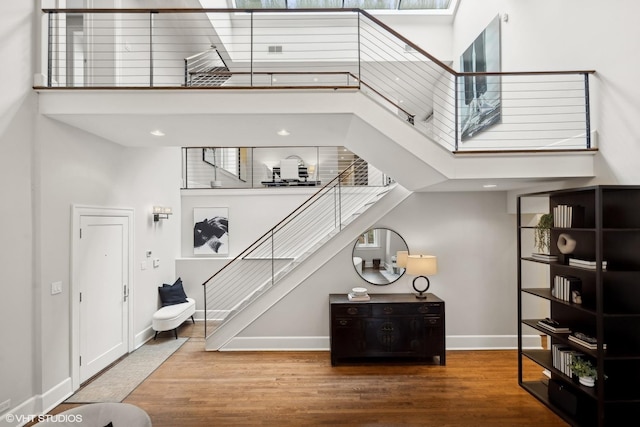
120,380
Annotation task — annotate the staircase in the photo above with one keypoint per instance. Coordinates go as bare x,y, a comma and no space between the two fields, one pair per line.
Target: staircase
206,69
267,266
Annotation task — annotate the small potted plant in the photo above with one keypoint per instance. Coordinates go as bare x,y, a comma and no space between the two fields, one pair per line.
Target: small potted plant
542,238
584,370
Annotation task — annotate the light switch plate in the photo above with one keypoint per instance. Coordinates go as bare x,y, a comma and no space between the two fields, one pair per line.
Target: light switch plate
156,262
56,288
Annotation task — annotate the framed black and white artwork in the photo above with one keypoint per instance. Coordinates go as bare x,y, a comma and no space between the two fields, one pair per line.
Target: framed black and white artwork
480,95
211,231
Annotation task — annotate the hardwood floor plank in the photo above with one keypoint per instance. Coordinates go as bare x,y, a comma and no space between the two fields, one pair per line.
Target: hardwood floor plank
196,388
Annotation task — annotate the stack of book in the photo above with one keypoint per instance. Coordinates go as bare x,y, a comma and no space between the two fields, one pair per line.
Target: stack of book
591,265
567,216
562,356
544,257
585,340
359,294
567,288
553,326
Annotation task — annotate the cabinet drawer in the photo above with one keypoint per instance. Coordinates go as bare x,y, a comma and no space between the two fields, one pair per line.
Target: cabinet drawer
406,309
351,310
432,322
347,323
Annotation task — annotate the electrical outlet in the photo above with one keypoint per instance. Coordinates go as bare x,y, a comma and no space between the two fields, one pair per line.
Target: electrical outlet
56,288
143,265
148,253
156,262
5,405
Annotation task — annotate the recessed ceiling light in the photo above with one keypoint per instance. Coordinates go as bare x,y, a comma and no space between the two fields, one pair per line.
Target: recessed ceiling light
283,132
490,186
157,132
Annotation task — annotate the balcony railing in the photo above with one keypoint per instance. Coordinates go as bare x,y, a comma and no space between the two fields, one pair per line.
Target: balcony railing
310,49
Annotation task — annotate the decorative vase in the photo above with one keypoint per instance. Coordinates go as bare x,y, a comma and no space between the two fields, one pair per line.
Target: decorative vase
587,381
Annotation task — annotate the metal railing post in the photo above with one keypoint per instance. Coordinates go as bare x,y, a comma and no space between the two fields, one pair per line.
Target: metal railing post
456,115
273,258
205,311
50,49
151,48
587,110
359,49
251,53
186,72
340,202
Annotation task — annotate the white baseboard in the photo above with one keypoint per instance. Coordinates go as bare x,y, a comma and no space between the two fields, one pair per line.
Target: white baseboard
277,344
30,409
142,337
491,342
454,342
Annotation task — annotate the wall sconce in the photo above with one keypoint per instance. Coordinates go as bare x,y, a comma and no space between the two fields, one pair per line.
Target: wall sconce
421,266
160,212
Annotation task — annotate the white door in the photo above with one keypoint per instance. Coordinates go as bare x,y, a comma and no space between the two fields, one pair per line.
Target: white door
102,276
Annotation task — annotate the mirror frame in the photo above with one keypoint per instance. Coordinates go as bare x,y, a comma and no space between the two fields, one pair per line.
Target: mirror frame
359,266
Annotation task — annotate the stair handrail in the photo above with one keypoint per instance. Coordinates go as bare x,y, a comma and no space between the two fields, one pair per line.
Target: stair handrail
301,208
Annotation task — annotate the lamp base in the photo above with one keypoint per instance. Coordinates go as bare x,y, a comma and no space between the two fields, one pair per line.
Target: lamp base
421,292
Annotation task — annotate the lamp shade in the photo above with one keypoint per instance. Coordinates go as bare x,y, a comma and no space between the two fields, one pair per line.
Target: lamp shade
422,265
401,258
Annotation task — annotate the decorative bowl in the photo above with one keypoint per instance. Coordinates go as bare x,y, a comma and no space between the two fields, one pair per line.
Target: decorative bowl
359,291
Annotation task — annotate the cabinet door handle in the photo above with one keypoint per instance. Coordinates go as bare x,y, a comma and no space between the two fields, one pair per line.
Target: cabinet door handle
352,310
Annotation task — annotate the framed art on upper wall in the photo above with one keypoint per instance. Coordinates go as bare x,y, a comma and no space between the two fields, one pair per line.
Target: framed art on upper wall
211,231
480,95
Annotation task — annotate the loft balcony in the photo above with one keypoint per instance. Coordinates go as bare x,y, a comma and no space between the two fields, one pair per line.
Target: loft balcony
330,76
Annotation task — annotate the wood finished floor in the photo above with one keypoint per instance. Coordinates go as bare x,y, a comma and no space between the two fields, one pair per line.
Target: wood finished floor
196,388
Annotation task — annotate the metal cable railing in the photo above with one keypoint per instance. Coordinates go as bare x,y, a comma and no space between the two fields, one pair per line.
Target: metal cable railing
281,249
321,48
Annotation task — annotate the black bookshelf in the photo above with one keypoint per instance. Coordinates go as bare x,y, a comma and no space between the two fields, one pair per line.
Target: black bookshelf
607,229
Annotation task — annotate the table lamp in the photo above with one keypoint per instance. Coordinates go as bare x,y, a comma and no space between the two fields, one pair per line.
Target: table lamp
421,266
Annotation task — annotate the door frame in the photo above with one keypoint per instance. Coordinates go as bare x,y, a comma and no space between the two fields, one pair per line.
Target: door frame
78,211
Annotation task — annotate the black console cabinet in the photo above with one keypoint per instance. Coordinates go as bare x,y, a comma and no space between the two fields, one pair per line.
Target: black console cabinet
388,328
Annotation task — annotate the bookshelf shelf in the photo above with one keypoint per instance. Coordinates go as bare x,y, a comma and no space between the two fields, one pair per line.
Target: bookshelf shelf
608,307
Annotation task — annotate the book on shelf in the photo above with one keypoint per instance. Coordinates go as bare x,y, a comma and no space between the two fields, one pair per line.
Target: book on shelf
568,216
553,326
562,356
567,288
544,257
353,297
585,340
584,263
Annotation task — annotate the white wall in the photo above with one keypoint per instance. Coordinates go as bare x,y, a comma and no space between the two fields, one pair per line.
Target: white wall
473,238
81,169
18,366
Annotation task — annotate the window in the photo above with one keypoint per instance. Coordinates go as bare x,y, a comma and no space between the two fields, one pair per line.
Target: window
370,239
347,4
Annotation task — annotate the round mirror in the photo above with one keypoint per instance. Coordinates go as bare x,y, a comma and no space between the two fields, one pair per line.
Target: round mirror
374,256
